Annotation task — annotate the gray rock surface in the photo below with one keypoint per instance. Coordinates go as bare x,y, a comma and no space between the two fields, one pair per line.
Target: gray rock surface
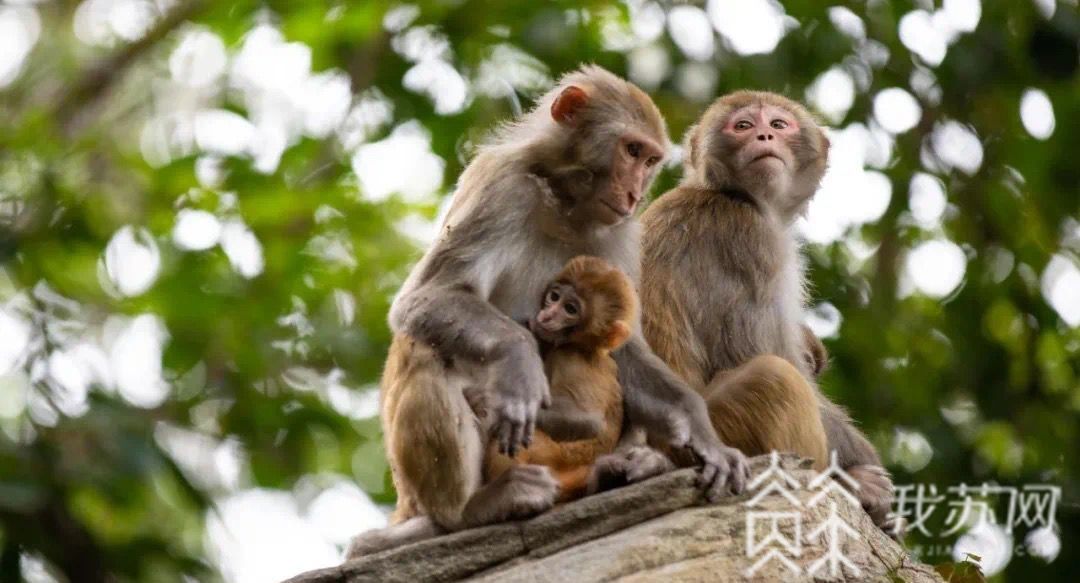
658,530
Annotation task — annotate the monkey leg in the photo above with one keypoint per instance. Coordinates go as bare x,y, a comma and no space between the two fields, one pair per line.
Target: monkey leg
433,440
767,405
857,456
519,492
436,448
571,479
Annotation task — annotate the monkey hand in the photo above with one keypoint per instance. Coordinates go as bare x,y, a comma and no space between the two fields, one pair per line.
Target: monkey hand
626,466
724,469
875,493
521,388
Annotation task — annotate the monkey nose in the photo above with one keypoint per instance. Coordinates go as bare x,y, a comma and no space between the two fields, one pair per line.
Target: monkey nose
764,137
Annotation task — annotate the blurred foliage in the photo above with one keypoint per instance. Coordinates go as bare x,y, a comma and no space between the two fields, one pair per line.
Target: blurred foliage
255,362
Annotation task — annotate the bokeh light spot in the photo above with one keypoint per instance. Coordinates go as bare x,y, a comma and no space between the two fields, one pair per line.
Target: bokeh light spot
896,110
936,267
1037,113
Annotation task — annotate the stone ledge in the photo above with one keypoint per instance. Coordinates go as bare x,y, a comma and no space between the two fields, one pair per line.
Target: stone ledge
659,529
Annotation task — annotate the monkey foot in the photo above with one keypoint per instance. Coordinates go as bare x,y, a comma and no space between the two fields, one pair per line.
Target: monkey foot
528,491
626,467
875,493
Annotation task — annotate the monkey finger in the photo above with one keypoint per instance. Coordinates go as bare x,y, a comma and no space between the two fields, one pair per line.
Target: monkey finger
521,425
737,483
530,427
507,421
708,474
516,441
718,490
499,434
507,443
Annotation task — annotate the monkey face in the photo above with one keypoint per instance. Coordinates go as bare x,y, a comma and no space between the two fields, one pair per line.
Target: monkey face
561,311
762,145
633,165
614,156
762,139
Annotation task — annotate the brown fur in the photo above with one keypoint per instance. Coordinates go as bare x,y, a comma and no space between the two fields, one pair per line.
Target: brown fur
562,181
723,286
582,371
408,425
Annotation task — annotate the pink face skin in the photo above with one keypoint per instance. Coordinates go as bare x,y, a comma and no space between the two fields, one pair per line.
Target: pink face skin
763,133
635,159
561,308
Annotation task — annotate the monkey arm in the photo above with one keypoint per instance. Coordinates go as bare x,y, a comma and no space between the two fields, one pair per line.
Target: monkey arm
458,323
441,306
565,421
669,410
444,303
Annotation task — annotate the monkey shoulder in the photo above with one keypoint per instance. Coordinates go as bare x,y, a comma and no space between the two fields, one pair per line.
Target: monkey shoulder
667,208
688,212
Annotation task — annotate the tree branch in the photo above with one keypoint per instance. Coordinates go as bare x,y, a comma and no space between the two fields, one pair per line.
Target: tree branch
72,106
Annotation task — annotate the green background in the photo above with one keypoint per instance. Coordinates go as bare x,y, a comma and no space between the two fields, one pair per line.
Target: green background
987,375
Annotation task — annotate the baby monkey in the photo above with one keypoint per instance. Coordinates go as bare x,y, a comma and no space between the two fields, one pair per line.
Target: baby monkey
585,314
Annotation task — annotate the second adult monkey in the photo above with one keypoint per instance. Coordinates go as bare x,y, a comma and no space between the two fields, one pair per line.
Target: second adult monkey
563,181
723,287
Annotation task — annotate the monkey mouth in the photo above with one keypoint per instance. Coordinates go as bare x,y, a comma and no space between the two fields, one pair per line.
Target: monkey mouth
546,336
623,213
765,156
539,330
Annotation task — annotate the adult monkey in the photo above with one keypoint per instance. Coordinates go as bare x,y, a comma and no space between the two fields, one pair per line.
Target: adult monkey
562,181
723,287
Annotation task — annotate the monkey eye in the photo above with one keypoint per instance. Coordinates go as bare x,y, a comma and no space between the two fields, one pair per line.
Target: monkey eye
553,296
634,149
652,161
779,124
743,125
571,309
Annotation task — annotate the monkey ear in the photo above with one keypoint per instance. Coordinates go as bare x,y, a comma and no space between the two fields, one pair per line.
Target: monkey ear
568,105
619,333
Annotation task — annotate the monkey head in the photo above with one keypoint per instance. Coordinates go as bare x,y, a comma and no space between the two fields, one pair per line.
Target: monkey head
758,145
607,140
590,304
